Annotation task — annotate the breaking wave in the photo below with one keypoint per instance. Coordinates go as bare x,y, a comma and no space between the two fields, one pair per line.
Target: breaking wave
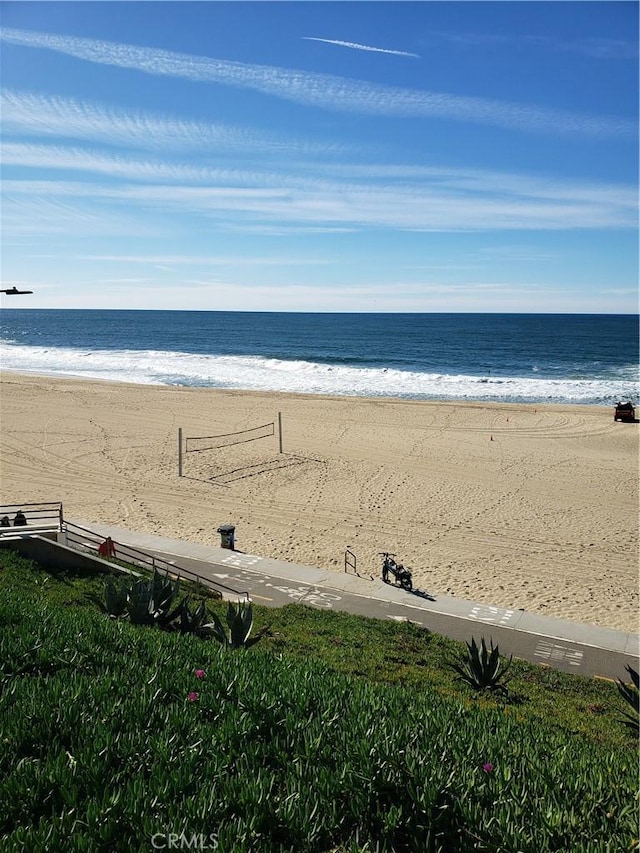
157,367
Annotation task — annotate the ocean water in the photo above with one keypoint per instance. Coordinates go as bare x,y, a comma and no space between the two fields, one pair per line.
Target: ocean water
586,359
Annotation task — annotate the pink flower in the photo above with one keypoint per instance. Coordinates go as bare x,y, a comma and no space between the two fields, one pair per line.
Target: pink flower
488,767
199,673
193,697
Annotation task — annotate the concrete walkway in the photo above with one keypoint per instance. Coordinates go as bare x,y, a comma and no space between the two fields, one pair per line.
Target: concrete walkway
557,642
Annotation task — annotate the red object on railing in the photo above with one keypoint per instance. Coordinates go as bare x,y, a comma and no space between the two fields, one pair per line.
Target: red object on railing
107,548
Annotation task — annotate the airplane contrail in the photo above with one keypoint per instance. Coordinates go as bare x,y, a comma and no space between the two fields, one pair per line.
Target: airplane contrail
356,46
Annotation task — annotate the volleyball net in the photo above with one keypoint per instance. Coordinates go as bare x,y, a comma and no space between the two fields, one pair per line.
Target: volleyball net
200,443
197,443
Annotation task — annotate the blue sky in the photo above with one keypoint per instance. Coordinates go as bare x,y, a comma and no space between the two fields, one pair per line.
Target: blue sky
321,156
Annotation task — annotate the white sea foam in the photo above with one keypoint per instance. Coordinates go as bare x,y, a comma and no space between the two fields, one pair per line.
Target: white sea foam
303,377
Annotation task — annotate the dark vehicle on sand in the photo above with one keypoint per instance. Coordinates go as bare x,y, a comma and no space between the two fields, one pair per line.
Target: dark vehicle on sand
625,412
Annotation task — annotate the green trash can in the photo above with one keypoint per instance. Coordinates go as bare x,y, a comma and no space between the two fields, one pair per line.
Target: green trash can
227,536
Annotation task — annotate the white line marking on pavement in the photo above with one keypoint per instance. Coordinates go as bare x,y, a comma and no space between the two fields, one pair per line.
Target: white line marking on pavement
554,652
240,560
493,615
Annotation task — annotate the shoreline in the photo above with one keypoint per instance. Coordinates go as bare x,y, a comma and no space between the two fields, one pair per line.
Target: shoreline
520,505
461,401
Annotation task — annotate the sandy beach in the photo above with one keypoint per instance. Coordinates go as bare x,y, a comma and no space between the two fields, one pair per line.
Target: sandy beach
523,506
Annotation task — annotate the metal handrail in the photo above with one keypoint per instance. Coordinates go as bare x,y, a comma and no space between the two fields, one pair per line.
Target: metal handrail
142,558
349,560
39,513
44,516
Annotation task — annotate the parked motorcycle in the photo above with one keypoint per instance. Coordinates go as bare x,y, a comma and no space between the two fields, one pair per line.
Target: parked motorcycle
390,567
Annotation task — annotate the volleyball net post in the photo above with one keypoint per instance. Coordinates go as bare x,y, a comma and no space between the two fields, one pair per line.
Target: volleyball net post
190,444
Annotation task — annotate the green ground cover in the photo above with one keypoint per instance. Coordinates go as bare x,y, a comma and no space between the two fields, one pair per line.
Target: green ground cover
334,733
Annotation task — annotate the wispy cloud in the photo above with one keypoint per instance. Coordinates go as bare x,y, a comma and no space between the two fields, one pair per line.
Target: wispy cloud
53,115
356,46
80,160
340,179
111,164
417,186
326,91
171,261
282,202
595,48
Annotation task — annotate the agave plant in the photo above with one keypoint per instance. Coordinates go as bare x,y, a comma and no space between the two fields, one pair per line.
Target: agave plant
631,694
482,669
115,599
195,621
144,602
140,603
164,594
150,601
239,624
